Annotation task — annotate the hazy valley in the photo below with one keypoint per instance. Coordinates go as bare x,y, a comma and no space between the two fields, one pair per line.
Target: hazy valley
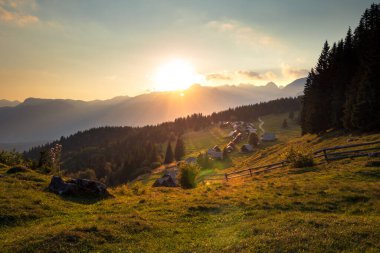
37,120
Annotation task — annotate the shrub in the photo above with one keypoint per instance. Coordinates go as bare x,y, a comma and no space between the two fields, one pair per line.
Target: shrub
188,174
299,158
11,158
87,174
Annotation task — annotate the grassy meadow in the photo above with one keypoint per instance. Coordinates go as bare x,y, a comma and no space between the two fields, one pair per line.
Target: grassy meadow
325,208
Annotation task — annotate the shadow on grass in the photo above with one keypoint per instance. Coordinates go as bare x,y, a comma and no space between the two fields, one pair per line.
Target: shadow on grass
84,199
303,170
369,173
15,219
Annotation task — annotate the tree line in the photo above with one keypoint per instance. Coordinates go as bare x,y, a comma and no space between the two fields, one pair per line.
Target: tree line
342,91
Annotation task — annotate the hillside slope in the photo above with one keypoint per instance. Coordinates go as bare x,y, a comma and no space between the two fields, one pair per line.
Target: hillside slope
330,207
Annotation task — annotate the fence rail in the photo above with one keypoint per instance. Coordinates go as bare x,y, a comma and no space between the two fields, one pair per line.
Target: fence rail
322,153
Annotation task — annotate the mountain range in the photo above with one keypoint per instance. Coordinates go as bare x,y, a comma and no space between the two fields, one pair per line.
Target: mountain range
36,120
5,103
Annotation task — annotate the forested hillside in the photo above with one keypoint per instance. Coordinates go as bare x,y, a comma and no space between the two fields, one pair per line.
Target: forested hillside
343,90
117,154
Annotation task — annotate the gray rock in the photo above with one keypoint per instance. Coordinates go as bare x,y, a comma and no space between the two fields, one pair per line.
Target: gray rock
77,187
169,179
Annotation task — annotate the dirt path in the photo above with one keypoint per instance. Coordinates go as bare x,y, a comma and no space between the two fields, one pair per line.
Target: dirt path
261,125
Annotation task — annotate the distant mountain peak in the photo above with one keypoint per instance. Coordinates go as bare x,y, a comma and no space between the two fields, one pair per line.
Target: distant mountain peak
8,103
271,85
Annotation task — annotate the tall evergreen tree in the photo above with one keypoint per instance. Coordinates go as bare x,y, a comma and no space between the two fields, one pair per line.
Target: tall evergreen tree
344,90
169,154
179,150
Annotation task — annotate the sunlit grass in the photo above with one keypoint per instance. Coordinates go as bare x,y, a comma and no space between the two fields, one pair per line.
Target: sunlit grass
329,207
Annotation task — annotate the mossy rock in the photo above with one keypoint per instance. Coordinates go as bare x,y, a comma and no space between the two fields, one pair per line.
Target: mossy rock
17,169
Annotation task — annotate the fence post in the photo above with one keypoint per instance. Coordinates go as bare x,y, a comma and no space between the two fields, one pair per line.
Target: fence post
250,172
226,176
325,154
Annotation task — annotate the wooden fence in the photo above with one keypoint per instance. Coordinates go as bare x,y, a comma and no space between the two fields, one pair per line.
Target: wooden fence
328,154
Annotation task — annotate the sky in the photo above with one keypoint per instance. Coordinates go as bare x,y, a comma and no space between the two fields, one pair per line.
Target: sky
99,49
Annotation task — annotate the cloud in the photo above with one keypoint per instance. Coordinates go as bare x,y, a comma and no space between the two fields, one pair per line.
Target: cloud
15,11
250,74
218,76
242,33
240,76
292,72
269,75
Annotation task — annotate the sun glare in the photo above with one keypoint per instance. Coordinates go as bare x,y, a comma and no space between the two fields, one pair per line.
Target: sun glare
176,75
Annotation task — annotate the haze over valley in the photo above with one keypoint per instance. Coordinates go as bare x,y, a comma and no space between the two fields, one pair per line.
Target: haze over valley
39,120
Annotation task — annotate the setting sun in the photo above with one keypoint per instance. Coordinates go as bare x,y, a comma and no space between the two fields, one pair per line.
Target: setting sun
176,75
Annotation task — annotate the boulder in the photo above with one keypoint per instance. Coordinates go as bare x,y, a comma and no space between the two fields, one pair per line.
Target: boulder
77,187
169,179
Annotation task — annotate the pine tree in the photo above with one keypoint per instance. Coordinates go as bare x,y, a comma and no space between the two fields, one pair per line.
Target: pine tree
179,150
308,104
323,61
154,157
169,154
344,90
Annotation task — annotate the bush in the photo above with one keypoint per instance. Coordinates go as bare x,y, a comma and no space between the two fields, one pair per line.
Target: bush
87,174
299,158
11,158
188,174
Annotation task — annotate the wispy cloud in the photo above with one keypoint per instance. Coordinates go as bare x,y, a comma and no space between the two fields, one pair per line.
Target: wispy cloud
218,76
269,75
242,33
239,76
250,74
292,72
16,12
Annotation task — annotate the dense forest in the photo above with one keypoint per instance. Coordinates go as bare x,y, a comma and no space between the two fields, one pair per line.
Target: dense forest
343,90
115,155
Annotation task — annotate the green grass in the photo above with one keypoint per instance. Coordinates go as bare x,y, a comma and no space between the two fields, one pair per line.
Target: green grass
273,124
331,207
201,141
